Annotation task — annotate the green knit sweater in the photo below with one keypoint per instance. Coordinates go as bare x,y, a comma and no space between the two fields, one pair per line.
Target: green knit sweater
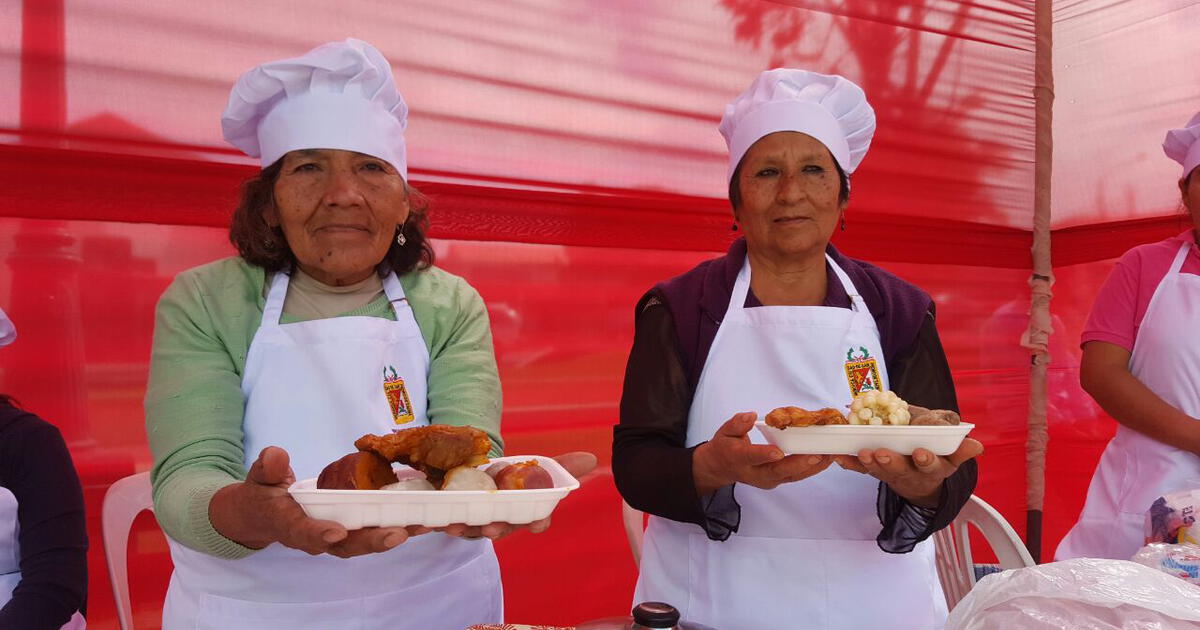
204,324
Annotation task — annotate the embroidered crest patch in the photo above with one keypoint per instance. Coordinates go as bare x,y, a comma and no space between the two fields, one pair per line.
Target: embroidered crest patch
397,396
862,371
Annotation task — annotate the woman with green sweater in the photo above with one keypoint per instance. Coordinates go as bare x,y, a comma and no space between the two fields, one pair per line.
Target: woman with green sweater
268,365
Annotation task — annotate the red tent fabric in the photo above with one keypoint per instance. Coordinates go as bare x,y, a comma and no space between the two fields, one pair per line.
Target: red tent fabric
571,152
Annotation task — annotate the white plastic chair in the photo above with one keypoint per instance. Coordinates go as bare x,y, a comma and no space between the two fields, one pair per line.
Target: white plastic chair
125,499
952,545
956,568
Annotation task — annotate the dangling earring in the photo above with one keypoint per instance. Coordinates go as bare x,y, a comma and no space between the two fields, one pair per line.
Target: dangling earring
843,221
400,238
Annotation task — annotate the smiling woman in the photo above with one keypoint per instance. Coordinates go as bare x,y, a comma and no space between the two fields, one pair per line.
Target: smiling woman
269,365
769,325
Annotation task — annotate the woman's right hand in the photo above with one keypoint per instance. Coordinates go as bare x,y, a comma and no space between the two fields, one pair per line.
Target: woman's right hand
729,457
259,511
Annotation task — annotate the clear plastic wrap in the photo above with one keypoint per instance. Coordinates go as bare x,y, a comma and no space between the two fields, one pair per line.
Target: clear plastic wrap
1081,594
1181,561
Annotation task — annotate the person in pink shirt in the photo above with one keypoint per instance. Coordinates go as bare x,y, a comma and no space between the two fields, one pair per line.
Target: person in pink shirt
1141,363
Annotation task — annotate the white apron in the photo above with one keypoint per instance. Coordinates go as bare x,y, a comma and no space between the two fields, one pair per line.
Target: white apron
313,388
10,555
805,554
1135,469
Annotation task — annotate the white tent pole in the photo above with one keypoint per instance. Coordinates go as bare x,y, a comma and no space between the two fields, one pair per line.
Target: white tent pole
1037,336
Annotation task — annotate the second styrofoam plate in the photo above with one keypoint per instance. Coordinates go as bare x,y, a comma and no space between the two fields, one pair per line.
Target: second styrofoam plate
849,439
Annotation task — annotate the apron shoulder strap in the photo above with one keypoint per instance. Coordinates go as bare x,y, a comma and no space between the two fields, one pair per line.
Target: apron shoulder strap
856,301
1180,257
273,309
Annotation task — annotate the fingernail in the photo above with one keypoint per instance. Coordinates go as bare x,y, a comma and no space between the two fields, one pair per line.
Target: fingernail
923,459
391,540
883,459
330,536
776,455
813,461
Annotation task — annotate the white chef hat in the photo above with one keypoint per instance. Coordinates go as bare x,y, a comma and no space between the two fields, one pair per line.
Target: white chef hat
8,332
340,95
827,107
1183,145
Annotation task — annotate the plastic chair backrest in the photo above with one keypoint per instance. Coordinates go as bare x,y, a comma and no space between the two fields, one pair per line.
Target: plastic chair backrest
956,568
635,530
125,499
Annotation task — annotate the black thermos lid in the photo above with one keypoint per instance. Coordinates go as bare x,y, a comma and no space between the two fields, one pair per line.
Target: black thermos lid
655,615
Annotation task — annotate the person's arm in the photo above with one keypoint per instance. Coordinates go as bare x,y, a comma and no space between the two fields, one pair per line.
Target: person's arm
464,383
203,496
922,377
652,467
1105,376
194,408
36,467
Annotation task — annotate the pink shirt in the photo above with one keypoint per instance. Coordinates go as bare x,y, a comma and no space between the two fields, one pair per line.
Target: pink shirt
1121,304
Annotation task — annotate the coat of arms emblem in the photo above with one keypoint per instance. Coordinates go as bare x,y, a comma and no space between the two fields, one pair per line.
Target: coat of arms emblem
862,371
397,396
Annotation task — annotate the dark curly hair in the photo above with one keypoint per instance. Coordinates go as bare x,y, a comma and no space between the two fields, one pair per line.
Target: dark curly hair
260,244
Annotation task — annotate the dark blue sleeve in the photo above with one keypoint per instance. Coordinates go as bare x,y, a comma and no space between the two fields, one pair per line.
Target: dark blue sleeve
36,467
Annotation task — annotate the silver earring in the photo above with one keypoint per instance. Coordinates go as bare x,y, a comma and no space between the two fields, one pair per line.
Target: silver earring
400,239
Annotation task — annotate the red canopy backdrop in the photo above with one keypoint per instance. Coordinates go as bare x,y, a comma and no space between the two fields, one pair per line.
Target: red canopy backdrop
571,152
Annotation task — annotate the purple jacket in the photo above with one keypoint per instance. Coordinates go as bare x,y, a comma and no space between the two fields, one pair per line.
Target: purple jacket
698,299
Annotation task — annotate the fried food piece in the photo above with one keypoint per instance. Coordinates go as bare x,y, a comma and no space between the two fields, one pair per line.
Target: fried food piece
785,417
432,450
357,471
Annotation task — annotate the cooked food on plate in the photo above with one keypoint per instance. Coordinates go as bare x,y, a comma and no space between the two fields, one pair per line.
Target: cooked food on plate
442,458
867,408
875,407
358,471
522,476
785,417
432,449
933,417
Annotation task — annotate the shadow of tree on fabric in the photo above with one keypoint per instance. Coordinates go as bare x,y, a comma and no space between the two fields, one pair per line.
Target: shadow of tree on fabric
940,141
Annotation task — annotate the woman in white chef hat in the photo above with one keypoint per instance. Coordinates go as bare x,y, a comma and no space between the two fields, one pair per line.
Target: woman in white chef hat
43,535
330,323
741,536
1141,363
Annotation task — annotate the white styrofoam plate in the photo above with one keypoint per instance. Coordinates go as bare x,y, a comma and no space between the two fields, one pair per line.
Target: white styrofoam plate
849,439
355,509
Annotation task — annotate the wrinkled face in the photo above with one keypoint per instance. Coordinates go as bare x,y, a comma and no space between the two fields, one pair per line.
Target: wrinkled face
789,186
339,211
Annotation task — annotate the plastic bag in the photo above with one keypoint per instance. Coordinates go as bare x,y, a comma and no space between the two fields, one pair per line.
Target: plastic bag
1182,561
1080,594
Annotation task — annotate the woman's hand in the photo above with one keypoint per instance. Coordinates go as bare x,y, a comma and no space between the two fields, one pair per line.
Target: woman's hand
578,463
259,511
729,457
917,478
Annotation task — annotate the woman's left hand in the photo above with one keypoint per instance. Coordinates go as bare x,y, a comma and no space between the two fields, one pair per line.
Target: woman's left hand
578,463
917,478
